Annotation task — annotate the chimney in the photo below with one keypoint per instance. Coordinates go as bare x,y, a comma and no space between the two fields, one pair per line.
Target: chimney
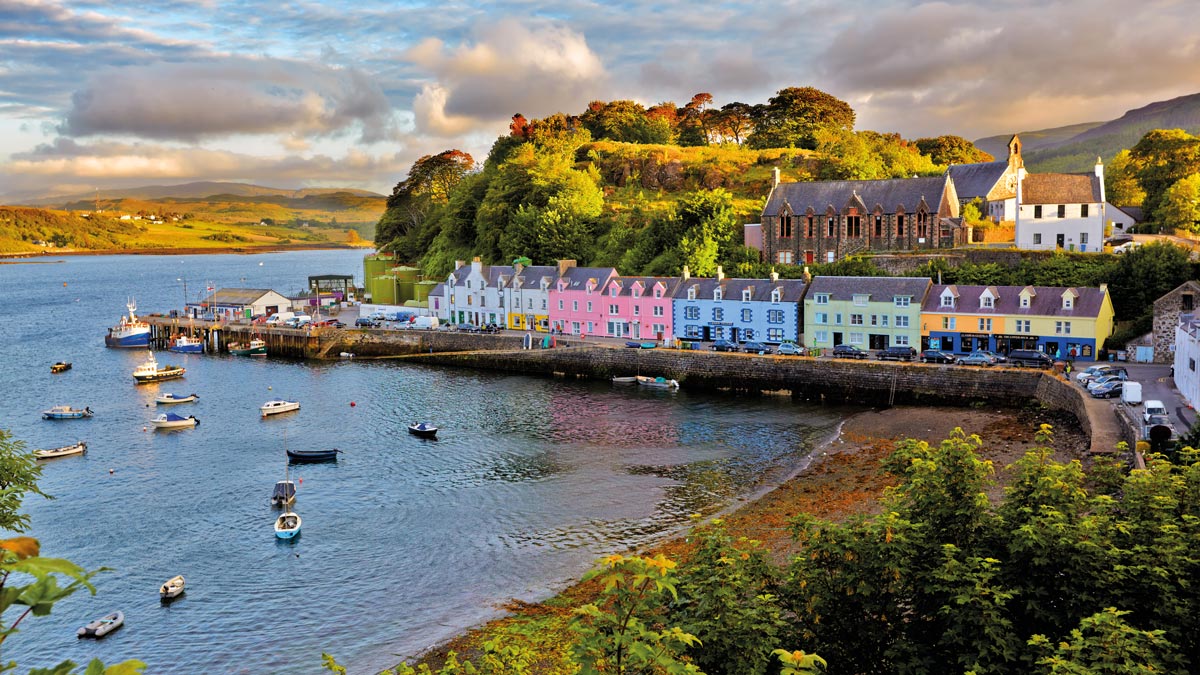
564,265
1100,175
687,274
720,274
775,178
1103,288
477,264
774,276
807,276
459,263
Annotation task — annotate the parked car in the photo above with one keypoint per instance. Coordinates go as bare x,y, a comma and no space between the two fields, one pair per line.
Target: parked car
1091,372
1153,421
936,356
845,351
1111,389
723,346
1029,357
363,322
976,359
755,348
1105,379
998,358
1153,407
468,328
790,349
897,353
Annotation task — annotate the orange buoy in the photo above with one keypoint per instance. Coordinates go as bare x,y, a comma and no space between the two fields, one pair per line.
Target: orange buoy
352,404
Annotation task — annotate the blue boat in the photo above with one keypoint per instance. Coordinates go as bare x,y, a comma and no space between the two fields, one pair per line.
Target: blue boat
186,345
423,429
129,332
66,412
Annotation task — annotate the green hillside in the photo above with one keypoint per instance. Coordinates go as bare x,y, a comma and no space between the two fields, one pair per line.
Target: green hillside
196,190
1033,140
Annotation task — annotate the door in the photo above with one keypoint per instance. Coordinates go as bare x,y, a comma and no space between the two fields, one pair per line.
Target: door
878,341
733,335
1060,240
1052,350
837,339
707,337
637,331
809,257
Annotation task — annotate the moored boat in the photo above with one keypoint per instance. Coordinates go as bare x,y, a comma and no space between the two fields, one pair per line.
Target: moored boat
66,412
278,405
287,525
423,429
657,382
130,331
60,367
173,421
284,493
312,456
102,626
256,347
169,398
185,344
631,379
79,448
149,371
173,588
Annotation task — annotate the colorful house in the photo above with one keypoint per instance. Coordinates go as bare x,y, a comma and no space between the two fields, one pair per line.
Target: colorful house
765,310
867,312
1054,320
527,296
475,294
639,307
576,299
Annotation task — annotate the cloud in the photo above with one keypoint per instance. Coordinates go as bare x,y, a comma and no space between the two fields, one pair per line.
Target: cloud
234,95
511,68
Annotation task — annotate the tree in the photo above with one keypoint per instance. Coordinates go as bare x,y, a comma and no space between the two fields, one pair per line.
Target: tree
794,116
1160,159
1180,209
1104,644
1144,274
19,474
948,149
624,121
1121,185
734,121
694,122
428,183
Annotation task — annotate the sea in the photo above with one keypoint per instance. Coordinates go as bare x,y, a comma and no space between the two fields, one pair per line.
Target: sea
405,542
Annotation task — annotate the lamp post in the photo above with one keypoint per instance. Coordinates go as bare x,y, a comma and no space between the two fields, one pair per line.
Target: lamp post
184,293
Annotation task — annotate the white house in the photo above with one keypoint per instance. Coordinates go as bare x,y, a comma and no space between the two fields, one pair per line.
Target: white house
233,303
527,297
1187,354
1120,219
1061,210
475,294
437,303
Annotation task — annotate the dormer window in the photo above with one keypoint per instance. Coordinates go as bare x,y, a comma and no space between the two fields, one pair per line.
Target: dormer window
636,291
1068,302
612,291
717,294
1025,301
947,300
692,293
821,299
860,299
986,302
776,296
746,295
658,292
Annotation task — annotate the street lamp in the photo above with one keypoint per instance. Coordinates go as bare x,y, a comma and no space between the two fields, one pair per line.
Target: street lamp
184,293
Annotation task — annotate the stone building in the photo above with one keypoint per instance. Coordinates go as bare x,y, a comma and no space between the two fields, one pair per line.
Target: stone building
824,221
1167,310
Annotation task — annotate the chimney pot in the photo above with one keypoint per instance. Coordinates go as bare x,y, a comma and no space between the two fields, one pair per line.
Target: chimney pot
720,273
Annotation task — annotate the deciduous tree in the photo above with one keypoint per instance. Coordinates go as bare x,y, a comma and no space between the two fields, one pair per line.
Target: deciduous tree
793,117
950,149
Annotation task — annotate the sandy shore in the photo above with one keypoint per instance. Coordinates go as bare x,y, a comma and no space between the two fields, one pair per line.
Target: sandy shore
842,479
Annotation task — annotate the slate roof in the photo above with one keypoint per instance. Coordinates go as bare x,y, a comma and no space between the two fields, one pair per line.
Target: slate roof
669,286
1134,212
1047,301
577,277
731,289
888,193
976,180
531,277
235,296
440,289
880,289
493,275
1061,188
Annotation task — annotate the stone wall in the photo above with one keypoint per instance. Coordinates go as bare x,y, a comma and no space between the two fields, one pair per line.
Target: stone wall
1061,395
1166,317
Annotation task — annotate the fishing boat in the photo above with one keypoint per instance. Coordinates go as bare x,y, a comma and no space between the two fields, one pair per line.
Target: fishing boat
149,371
631,379
102,626
287,525
284,493
130,331
173,421
168,398
79,448
312,456
423,429
278,405
66,412
255,347
185,344
60,367
172,589
657,382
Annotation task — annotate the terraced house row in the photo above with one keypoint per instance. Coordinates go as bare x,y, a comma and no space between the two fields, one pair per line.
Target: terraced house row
868,312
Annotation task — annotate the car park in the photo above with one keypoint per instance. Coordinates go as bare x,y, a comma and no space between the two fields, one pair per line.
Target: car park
845,351
723,346
790,349
896,353
1029,357
1111,389
755,348
936,356
976,359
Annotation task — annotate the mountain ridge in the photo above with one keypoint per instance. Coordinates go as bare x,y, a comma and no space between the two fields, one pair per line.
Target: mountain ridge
192,190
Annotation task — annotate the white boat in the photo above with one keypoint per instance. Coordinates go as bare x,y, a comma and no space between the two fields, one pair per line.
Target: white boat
149,371
130,331
79,448
186,344
173,421
102,626
625,380
287,525
657,382
169,398
278,405
66,412
172,589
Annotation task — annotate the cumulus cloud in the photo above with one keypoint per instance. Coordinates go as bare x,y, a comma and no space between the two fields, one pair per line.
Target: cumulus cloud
511,68
235,95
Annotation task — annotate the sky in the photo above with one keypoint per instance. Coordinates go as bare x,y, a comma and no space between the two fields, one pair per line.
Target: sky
350,93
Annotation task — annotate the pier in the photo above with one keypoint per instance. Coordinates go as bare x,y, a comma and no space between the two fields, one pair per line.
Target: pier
281,341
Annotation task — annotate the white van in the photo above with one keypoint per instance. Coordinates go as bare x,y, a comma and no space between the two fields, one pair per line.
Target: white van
1131,393
278,318
1153,408
424,323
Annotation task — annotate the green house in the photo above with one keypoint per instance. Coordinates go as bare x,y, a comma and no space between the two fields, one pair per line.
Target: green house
867,312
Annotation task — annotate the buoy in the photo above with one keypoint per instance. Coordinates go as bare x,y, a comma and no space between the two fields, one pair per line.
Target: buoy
352,404
268,389
64,284
143,428
110,471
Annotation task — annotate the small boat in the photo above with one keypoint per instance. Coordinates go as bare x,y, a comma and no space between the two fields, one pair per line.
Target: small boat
657,382
168,398
347,355
130,331
173,421
149,371
649,345
66,412
79,448
185,344
284,493
287,525
423,429
172,589
631,379
60,367
312,456
278,405
102,626
633,345
256,347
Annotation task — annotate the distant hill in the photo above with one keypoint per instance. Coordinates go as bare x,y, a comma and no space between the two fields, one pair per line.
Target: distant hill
197,190
1075,147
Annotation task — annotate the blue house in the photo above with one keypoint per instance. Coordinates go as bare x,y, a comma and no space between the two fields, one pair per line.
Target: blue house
765,310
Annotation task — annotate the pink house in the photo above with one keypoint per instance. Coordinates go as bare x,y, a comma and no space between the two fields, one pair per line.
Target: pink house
577,303
639,307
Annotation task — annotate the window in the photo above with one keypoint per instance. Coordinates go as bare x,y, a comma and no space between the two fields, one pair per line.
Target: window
856,339
1025,301
949,323
658,292
1192,365
874,319
530,305
692,331
947,300
692,313
853,226
856,319
660,328
830,228
774,316
1062,210
748,333
613,309
901,321
785,227
878,226
785,258
692,293
718,332
747,315
746,293
900,340
1068,302
1037,238
589,306
1062,327
574,305
810,226
637,310
717,294
1083,237
718,314
1187,301
544,304
822,298
883,320
860,299
775,335
1083,210
1023,326
636,291
986,301
899,226
612,291
985,325
821,317
560,305
658,310
575,327
591,329
468,284
922,225
821,336
1037,211
776,295
837,317
902,300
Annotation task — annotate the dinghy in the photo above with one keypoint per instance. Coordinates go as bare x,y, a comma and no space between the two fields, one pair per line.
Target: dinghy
422,429
79,448
168,398
172,589
312,456
287,525
173,421
102,626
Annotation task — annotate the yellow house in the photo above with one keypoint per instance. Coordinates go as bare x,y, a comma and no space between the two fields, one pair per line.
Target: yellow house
1061,322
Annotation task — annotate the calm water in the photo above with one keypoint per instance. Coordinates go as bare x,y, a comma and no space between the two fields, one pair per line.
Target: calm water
405,541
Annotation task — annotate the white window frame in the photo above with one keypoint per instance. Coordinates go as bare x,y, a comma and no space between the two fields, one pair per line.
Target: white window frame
861,299
901,321
821,299
855,338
